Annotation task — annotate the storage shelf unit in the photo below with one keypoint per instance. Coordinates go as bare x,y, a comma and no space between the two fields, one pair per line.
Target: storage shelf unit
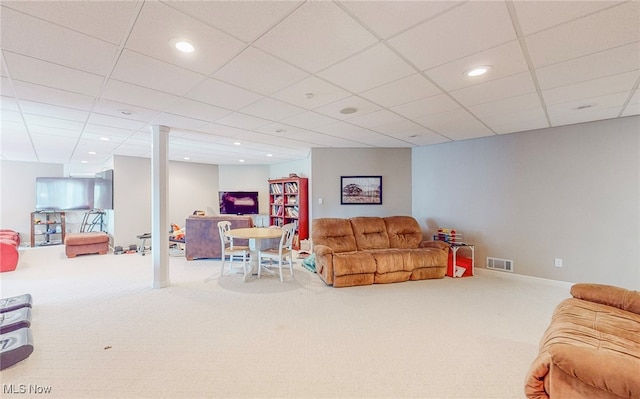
47,228
289,202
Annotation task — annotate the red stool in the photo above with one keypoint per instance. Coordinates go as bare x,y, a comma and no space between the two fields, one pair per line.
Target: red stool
9,251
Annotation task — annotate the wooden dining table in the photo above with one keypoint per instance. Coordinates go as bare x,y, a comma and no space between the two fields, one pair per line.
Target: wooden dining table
255,235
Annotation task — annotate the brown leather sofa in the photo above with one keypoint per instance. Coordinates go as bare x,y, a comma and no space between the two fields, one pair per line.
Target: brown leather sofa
591,348
368,250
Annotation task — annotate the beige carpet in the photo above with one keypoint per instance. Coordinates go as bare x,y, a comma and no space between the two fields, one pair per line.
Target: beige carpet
101,331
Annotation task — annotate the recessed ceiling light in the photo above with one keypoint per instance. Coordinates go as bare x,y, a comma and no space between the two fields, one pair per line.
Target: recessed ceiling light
241,160
237,143
348,110
477,71
269,155
186,158
578,108
84,161
92,153
308,95
125,112
185,47
280,130
104,138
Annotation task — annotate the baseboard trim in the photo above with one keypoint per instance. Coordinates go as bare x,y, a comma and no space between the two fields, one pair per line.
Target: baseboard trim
522,277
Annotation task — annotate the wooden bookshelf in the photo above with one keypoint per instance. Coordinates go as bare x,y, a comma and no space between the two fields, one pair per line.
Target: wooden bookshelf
289,202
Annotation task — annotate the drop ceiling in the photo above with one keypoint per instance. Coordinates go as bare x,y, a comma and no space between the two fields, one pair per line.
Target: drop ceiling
83,81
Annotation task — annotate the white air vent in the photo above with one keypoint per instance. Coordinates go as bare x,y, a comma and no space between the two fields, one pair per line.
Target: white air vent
505,265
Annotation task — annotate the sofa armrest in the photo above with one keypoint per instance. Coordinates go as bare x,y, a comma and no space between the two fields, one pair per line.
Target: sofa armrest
605,371
608,295
324,262
435,244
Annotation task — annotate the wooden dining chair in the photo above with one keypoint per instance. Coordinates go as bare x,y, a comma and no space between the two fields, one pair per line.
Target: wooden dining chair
230,250
284,250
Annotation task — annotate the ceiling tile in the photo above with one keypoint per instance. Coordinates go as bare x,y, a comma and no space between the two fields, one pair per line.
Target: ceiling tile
325,140
15,145
245,20
249,68
425,137
506,59
535,16
381,66
52,111
426,106
54,43
148,72
128,93
633,108
526,119
309,120
350,132
158,27
592,88
279,129
507,105
567,118
274,110
215,129
53,148
38,121
114,134
494,90
111,121
388,18
125,111
613,27
221,94
315,36
456,125
177,121
47,95
85,17
605,63
602,107
375,119
43,73
197,110
468,29
242,121
360,104
402,91
6,88
311,93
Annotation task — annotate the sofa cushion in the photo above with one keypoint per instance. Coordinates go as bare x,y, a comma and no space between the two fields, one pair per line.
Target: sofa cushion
370,233
345,263
390,260
403,232
334,233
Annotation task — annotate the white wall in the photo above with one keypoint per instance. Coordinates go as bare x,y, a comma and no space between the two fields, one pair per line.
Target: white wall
18,193
571,192
329,164
192,186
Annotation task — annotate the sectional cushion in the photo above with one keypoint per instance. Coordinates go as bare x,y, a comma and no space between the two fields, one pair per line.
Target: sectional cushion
370,233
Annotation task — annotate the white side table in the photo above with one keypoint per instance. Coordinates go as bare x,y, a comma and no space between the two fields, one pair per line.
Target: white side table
454,250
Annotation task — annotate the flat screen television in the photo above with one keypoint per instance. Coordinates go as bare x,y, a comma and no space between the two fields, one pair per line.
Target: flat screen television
238,202
64,193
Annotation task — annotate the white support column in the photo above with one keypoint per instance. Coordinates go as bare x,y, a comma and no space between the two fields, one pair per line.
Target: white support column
159,206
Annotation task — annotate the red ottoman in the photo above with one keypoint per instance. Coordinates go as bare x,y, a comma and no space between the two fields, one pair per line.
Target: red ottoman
8,255
86,243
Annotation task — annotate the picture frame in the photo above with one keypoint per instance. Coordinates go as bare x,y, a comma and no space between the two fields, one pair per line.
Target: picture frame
361,190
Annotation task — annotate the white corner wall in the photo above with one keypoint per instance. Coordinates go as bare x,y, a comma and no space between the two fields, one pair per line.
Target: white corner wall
571,192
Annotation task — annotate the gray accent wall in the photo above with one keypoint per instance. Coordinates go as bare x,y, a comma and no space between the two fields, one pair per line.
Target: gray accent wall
570,192
329,164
